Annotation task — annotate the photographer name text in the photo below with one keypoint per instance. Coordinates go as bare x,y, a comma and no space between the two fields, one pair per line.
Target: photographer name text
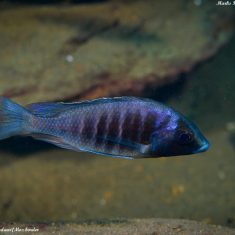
225,3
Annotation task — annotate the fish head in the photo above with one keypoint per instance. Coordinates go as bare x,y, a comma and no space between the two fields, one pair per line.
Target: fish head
181,137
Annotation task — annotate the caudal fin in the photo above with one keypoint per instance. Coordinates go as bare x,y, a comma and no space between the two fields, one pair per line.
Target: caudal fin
13,118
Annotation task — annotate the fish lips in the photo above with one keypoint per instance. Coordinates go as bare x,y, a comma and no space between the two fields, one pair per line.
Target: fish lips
205,145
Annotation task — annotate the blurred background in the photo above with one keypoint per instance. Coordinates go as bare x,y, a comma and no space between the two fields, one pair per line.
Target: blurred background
178,52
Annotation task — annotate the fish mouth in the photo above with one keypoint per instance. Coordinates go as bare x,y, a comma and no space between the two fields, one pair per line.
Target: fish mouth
204,146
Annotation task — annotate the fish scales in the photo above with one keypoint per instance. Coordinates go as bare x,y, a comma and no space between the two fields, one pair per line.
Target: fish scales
116,130
109,128
101,130
105,127
136,126
150,124
121,126
87,128
125,127
112,132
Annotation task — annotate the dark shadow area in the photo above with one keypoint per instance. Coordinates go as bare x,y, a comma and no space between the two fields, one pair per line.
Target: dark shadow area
16,148
38,2
23,146
232,139
166,92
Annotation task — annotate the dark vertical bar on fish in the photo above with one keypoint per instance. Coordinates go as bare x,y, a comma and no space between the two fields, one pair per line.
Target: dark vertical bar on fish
148,127
136,127
126,125
88,127
101,129
113,131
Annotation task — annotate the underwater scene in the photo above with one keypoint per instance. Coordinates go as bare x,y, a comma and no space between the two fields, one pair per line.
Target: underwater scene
117,117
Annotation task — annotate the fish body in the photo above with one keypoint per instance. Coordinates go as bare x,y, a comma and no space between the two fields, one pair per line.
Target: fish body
125,127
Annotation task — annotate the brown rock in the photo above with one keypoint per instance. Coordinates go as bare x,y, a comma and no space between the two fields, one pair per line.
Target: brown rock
113,48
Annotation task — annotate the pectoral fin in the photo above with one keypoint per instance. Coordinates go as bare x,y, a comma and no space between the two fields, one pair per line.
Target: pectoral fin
136,147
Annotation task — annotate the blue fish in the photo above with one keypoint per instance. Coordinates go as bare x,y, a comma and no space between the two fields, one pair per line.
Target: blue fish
125,127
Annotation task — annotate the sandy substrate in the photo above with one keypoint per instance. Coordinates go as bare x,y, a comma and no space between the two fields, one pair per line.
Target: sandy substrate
123,227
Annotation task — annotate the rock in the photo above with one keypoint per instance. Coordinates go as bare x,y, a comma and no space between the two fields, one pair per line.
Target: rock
114,48
127,227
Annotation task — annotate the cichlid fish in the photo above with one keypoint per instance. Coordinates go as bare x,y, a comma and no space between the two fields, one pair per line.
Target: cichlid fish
124,127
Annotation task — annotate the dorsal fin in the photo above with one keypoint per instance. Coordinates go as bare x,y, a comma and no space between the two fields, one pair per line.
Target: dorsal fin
47,109
109,100
50,109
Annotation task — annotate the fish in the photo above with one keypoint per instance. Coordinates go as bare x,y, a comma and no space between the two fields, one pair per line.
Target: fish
123,127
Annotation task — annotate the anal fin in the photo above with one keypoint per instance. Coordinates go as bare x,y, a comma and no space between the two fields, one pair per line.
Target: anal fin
54,140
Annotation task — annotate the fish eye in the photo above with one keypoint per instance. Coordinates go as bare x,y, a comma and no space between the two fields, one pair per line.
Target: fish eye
185,137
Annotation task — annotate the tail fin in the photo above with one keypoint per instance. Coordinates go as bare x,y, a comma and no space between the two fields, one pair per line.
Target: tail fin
13,118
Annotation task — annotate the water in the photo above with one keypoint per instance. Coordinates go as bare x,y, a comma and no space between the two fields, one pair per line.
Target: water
43,183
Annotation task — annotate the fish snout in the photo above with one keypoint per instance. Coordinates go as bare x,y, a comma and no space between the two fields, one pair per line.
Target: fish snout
204,145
